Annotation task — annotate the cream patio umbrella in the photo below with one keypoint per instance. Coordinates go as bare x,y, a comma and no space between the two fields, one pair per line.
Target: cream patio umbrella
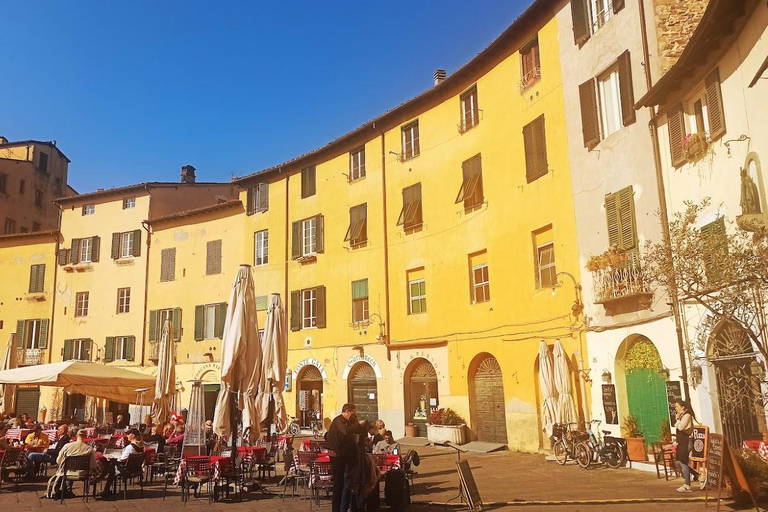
566,409
549,403
240,360
275,362
165,383
8,391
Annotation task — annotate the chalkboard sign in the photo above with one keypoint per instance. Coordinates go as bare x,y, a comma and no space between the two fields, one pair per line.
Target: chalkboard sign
721,463
609,404
468,486
715,460
699,443
674,394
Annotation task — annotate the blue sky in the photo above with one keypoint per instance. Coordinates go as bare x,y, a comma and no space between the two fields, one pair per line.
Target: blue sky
134,90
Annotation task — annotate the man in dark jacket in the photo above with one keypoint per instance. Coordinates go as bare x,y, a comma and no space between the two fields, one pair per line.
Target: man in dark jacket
340,443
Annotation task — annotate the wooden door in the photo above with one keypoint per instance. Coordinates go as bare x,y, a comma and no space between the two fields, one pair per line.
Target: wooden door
363,392
489,419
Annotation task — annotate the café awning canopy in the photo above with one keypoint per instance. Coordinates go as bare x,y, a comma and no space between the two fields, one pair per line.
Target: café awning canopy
90,379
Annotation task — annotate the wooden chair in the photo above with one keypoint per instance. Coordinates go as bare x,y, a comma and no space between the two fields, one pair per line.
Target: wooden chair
198,473
77,468
666,458
321,478
129,472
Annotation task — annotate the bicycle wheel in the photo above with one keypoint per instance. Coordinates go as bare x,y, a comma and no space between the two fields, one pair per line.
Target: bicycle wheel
560,452
294,429
316,432
614,457
583,454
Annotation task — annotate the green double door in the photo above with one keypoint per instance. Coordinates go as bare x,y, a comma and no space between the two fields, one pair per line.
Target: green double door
647,401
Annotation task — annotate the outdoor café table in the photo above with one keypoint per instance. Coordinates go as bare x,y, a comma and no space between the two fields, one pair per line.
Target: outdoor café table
216,463
18,434
283,442
758,446
53,435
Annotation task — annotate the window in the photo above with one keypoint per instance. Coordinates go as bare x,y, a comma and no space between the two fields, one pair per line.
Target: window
10,226
545,259
258,198
600,11
479,280
119,348
3,182
86,245
123,300
129,202
213,257
89,209
37,278
410,134
535,142
167,265
589,16
715,248
360,301
469,110
308,182
607,102
126,245
471,190
410,216
77,350
43,162
530,65
39,198
417,296
698,122
308,308
357,164
22,186
58,185
81,304
82,250
261,248
158,318
357,232
307,237
262,302
209,325
32,334
620,218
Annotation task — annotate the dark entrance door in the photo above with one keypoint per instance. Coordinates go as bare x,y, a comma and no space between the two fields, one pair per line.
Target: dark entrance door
27,401
490,422
210,394
421,396
74,406
309,396
363,392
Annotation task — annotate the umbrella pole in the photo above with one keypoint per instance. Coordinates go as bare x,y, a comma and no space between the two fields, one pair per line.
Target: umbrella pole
234,421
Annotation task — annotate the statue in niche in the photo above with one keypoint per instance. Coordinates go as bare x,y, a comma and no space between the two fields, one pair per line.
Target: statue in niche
750,199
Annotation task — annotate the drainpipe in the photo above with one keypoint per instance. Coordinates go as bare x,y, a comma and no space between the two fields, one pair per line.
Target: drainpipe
287,238
146,227
57,237
663,205
386,241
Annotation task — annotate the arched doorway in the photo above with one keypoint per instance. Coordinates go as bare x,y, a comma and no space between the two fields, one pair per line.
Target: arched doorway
361,390
486,392
421,397
309,396
211,386
639,363
738,390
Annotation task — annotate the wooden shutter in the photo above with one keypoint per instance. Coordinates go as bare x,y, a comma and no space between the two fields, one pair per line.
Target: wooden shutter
535,142
361,234
68,349
115,246
40,278
62,257
320,234
109,349
130,346
88,348
176,324
213,257
152,335
249,201
625,88
95,248
33,278
296,240
171,264
43,343
676,127
715,105
74,256
626,205
137,242
612,219
580,17
715,245
199,323
296,310
320,306
617,6
308,184
263,197
20,334
221,317
590,125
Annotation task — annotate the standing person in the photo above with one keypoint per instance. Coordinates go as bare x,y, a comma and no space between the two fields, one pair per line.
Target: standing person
684,426
340,445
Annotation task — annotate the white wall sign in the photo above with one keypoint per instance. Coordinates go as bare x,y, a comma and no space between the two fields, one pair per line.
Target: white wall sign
309,361
361,358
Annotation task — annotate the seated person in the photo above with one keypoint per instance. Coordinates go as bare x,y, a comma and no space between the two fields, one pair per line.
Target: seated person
373,437
156,437
4,444
177,437
387,445
34,459
18,421
37,438
135,445
30,423
77,447
121,423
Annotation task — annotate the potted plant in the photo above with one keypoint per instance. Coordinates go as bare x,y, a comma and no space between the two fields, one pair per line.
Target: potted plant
446,425
616,255
593,263
411,430
635,439
695,145
755,470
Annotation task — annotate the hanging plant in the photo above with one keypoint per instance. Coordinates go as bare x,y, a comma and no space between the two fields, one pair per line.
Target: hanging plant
642,355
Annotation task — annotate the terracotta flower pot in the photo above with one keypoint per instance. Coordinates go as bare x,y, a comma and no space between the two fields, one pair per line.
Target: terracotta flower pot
411,431
636,448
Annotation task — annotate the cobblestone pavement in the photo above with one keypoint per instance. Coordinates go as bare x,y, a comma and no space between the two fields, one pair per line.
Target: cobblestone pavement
505,480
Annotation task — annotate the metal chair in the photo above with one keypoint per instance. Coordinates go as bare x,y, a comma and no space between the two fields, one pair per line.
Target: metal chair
228,472
170,465
198,473
291,465
268,464
321,478
77,468
129,472
12,464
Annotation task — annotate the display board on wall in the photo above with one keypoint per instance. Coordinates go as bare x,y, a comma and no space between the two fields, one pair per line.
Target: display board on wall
674,393
609,404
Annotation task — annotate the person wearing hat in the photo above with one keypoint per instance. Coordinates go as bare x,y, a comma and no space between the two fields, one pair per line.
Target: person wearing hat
135,445
76,447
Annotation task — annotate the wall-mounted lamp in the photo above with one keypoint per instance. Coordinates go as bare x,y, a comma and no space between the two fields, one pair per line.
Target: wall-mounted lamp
577,306
741,138
757,370
664,373
606,376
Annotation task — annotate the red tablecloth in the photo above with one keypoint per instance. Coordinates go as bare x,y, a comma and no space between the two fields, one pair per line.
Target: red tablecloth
256,452
758,446
53,435
17,434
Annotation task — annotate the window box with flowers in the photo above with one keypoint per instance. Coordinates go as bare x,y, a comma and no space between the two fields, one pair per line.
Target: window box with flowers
695,146
445,425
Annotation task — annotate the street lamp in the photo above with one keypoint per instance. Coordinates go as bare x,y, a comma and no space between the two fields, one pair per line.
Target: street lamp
578,306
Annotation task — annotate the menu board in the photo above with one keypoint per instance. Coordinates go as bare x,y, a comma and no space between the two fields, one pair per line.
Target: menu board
469,487
674,394
715,460
609,404
721,463
699,443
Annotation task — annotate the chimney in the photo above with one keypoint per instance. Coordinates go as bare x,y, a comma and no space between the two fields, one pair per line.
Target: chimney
439,76
3,140
188,174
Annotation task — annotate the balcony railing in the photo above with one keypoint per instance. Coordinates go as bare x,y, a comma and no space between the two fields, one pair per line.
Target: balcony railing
30,356
620,281
529,79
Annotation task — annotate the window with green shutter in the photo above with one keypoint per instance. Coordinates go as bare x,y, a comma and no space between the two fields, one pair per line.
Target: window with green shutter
213,258
262,302
360,301
622,226
109,349
37,278
714,248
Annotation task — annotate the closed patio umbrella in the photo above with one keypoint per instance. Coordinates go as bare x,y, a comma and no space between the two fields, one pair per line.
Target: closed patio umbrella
8,391
566,409
549,403
165,382
275,361
240,360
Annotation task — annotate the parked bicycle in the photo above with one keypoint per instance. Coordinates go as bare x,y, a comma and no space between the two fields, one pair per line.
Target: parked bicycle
565,438
293,427
606,449
317,424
